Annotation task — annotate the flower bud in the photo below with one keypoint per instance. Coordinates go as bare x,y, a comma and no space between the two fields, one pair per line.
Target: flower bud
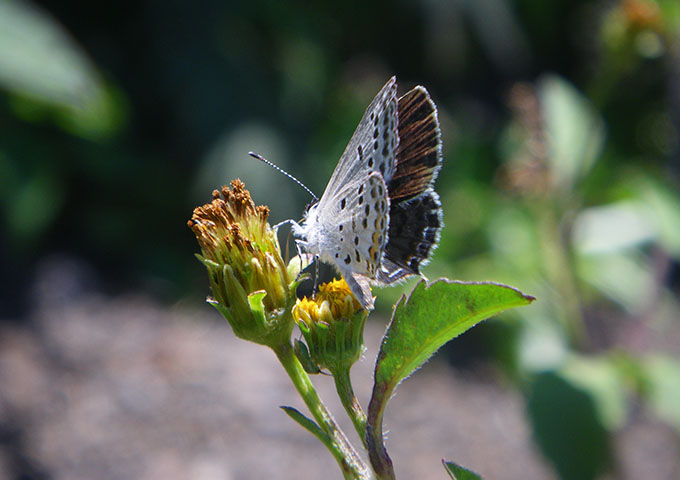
332,324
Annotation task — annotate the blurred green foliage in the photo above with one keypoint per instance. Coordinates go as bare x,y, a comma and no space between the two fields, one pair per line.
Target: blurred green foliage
561,168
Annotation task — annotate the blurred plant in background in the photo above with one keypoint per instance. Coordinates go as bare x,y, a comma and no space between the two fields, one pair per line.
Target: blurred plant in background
561,169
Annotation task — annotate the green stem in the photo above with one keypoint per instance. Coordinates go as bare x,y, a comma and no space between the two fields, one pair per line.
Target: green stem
350,463
377,453
559,266
343,385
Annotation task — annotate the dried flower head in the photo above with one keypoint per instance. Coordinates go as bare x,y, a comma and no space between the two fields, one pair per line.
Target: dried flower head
248,277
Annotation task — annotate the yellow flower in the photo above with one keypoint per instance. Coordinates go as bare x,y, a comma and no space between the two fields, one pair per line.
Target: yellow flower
333,325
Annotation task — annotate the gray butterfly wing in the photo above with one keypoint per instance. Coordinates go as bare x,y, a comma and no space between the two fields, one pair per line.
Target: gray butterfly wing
373,145
351,231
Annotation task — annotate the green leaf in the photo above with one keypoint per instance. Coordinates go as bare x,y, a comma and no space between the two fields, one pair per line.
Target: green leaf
662,392
575,130
601,379
567,426
308,424
456,472
45,70
431,316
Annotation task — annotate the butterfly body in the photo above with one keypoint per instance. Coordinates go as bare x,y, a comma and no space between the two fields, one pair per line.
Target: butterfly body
379,217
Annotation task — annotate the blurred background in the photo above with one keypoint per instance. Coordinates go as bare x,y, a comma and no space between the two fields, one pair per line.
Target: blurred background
561,131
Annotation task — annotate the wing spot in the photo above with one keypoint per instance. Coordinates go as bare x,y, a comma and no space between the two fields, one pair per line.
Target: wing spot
370,162
361,189
376,145
347,259
376,132
374,192
343,203
361,199
358,257
364,222
367,210
382,170
356,240
361,152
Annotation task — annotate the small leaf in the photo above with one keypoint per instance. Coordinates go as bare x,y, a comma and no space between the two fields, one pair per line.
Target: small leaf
456,472
307,423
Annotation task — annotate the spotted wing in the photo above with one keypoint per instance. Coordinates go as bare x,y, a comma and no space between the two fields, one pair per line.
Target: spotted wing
415,209
373,145
356,225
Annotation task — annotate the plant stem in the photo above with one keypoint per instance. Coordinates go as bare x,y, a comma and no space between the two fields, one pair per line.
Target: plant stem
377,453
350,463
343,384
559,266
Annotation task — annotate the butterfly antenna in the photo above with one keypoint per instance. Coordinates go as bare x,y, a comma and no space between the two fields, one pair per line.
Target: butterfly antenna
281,170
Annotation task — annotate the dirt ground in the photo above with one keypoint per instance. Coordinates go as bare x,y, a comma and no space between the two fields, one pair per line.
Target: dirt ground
94,387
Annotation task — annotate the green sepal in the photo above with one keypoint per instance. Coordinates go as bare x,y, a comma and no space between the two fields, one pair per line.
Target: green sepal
296,265
257,308
224,311
302,354
456,472
234,294
293,286
206,262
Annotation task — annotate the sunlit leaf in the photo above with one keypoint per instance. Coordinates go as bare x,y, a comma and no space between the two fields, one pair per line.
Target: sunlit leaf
662,375
431,316
624,277
48,74
575,131
614,227
600,377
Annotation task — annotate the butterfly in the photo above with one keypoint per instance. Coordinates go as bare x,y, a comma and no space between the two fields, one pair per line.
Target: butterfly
379,217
